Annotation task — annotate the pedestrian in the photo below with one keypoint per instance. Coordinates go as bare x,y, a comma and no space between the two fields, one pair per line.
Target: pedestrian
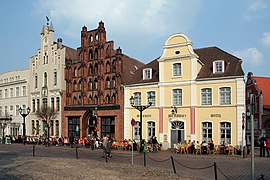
104,145
262,141
109,147
267,145
154,143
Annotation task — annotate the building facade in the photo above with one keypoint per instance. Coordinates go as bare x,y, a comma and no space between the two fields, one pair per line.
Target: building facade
198,95
13,95
47,81
258,86
94,87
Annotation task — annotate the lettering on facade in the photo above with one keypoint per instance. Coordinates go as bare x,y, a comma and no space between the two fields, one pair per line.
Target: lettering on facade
215,115
145,115
177,115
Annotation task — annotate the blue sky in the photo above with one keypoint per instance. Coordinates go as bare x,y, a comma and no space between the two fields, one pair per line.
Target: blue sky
140,27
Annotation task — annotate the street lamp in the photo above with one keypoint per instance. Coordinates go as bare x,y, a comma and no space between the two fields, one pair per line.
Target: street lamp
250,113
24,113
141,109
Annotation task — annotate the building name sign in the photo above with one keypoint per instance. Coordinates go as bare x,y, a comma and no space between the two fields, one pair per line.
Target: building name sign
145,115
177,115
215,115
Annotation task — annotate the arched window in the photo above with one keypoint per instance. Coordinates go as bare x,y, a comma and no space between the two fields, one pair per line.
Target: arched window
74,85
90,84
90,54
225,132
108,51
37,127
52,128
58,104
113,99
45,79
80,100
108,83
137,131
108,67
90,39
96,100
90,69
74,100
96,69
90,99
151,129
33,105
57,128
80,85
96,53
113,82
108,99
96,84
96,36
33,127
114,66
75,72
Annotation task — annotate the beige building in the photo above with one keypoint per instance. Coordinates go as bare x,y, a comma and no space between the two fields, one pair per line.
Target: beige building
13,95
199,94
47,81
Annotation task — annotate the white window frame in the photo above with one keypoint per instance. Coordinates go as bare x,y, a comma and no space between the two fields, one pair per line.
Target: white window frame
147,73
151,129
217,68
208,101
177,70
177,97
207,131
137,98
226,128
136,130
153,94
225,97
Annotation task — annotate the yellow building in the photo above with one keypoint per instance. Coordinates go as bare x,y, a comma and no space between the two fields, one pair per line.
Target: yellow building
199,94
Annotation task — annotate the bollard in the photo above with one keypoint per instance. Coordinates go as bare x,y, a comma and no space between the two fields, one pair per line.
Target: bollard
173,165
76,152
34,150
215,170
144,158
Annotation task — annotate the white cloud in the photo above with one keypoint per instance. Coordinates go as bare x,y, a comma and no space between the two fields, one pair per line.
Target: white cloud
256,5
136,24
266,38
250,56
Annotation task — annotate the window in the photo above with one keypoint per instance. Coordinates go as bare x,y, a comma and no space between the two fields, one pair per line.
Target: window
57,104
96,84
52,128
206,95
137,130
150,129
73,122
177,97
45,79
225,132
147,73
11,92
24,90
137,99
56,128
113,82
55,78
33,127
108,83
36,81
52,103
6,93
153,94
206,131
45,102
17,91
33,105
177,69
90,84
38,105
218,66
1,111
225,95
108,126
37,127
17,110
0,94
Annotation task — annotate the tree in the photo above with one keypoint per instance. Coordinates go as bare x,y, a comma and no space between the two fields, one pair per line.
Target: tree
46,114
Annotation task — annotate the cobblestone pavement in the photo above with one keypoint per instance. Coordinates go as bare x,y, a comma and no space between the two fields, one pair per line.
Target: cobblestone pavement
187,166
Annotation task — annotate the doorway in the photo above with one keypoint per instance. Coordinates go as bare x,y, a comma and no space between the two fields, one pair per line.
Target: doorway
177,132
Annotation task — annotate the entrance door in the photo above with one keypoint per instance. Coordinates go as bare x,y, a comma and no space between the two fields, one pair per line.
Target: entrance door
177,132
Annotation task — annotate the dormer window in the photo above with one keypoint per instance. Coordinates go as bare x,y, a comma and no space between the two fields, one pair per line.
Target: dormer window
147,73
218,66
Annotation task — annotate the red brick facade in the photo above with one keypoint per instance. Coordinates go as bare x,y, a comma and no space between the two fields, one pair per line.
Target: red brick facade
93,101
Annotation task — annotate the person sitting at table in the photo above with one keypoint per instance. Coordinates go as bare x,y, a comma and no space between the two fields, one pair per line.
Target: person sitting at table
204,146
211,147
223,147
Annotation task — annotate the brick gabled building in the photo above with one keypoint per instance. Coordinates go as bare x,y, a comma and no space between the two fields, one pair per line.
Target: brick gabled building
259,87
94,87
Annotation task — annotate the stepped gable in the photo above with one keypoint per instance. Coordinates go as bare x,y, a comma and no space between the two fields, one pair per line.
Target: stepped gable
209,55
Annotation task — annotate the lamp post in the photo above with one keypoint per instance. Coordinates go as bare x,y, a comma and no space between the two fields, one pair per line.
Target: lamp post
4,122
250,112
243,128
24,113
141,109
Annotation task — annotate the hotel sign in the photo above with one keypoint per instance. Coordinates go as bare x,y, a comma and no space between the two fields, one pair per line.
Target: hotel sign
177,115
146,115
215,115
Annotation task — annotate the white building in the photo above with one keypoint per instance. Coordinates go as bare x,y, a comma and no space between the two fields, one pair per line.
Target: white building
13,95
47,81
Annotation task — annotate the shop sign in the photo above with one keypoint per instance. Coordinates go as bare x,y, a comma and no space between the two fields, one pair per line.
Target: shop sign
177,115
215,115
145,115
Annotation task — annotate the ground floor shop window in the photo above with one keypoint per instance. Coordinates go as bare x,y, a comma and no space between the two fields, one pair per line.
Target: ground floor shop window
225,132
206,131
73,127
108,126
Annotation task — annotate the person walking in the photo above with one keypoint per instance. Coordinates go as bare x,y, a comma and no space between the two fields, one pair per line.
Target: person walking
268,145
262,141
104,145
154,143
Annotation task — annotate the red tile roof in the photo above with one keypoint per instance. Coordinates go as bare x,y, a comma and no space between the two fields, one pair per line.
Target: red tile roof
263,84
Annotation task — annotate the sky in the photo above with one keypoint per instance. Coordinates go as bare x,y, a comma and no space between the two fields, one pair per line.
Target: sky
140,27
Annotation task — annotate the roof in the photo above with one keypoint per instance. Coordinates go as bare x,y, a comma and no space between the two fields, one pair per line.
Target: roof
137,77
71,53
263,84
209,55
